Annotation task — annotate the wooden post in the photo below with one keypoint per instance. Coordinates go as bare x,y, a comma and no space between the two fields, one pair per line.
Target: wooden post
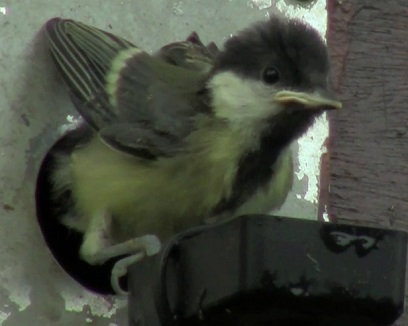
368,44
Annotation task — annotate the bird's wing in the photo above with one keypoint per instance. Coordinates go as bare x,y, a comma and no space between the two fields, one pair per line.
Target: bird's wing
140,104
191,54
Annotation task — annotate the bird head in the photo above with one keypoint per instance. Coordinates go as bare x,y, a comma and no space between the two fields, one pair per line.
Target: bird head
272,76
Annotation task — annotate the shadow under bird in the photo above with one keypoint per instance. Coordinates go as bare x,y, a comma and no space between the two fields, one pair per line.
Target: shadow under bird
186,135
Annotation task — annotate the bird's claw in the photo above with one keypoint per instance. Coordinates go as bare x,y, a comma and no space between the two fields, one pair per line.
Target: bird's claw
151,246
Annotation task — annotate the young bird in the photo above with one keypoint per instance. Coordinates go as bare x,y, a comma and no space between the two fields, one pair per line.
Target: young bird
184,135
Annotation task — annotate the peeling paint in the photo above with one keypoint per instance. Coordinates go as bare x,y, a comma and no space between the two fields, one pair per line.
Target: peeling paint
177,9
4,316
311,145
261,4
311,149
21,296
316,16
267,15
72,123
99,306
13,281
326,216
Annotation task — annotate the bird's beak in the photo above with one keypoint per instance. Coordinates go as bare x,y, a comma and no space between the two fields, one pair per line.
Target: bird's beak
321,100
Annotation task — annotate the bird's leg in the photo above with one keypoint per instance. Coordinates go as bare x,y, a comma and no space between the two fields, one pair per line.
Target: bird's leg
96,239
97,247
120,269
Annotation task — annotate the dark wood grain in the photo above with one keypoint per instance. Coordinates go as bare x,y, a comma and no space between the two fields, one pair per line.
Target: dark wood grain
368,45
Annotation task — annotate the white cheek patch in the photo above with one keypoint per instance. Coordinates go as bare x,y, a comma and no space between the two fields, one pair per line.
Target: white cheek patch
242,100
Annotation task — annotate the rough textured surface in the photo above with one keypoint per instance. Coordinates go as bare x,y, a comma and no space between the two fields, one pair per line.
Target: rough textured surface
369,170
35,110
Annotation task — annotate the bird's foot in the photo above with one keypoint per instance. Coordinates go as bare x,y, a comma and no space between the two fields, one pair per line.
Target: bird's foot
138,249
120,269
97,248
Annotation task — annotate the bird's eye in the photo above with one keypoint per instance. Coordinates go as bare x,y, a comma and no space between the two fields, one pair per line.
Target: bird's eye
270,75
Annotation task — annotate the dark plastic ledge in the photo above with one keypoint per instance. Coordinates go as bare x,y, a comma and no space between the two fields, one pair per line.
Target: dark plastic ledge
263,270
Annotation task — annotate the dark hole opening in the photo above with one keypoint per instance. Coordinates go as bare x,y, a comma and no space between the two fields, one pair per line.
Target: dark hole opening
63,242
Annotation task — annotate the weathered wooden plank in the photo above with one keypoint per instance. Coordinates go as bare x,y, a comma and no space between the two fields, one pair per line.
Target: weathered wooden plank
368,44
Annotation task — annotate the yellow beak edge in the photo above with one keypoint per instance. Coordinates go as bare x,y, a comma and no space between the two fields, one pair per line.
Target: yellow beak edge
308,101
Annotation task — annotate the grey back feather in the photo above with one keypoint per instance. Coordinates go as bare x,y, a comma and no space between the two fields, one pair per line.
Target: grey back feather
156,99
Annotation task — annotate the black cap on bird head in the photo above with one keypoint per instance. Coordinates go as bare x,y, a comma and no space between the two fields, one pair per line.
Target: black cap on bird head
286,62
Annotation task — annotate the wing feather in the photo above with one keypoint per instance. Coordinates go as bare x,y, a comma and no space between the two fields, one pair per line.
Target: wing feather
115,85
